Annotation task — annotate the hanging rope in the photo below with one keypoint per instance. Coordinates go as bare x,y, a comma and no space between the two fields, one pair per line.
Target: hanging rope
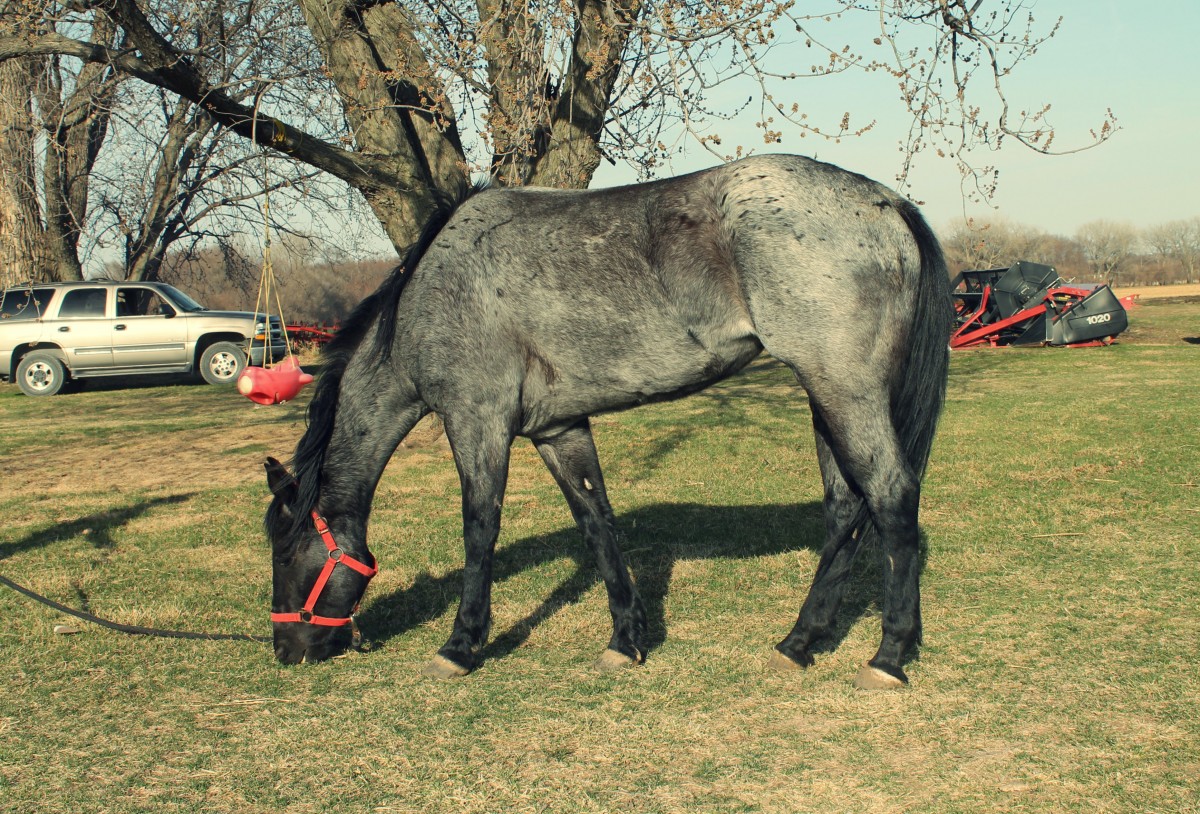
268,286
277,380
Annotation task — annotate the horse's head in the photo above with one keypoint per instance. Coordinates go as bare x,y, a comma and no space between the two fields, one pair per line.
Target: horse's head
317,579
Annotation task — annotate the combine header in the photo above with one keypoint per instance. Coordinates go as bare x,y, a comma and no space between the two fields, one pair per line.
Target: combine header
1029,304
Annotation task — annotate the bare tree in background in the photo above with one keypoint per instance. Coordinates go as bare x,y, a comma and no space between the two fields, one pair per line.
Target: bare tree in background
995,244
135,170
1107,246
260,55
1178,241
540,92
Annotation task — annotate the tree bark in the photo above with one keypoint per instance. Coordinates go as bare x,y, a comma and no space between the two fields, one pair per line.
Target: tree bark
378,65
22,246
572,153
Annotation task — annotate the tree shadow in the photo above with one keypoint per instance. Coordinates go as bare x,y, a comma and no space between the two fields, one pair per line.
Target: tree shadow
96,527
654,538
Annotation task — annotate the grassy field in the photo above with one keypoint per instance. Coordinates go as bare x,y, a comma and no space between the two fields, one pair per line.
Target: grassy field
1061,516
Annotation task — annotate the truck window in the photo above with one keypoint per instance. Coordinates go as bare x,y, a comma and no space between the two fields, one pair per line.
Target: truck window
24,303
83,303
141,302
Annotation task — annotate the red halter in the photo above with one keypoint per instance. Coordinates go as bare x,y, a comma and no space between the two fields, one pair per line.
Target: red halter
336,555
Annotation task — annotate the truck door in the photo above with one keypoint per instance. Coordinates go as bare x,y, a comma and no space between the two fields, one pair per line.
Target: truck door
83,329
147,332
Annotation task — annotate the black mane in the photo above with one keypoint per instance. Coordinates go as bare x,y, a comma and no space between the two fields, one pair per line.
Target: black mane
379,308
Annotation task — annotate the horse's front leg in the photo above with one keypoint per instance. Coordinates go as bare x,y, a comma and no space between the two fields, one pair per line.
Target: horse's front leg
481,451
572,460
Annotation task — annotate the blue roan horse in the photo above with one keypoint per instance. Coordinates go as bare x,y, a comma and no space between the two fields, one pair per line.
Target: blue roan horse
525,311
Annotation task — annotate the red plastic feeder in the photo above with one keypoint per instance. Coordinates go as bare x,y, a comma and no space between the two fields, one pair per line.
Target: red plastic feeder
273,385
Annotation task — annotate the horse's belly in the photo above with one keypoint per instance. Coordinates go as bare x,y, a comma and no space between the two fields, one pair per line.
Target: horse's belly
558,395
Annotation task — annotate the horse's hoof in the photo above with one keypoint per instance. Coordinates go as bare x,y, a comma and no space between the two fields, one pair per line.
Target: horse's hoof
611,660
872,678
440,667
782,663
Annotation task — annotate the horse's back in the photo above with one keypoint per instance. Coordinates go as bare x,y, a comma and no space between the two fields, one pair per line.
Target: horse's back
585,301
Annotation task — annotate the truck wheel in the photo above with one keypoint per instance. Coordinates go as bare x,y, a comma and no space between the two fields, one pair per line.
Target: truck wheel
222,363
41,374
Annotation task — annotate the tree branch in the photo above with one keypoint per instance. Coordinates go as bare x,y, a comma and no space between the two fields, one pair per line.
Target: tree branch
161,65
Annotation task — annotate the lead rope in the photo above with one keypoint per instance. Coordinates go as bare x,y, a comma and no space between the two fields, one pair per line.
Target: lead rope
134,629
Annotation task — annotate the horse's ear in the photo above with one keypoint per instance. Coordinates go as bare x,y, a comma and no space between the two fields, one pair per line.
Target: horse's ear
281,482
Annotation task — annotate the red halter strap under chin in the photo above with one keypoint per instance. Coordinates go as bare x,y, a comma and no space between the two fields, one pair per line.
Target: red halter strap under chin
336,555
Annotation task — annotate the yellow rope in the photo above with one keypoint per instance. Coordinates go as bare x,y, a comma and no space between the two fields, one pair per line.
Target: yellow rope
268,286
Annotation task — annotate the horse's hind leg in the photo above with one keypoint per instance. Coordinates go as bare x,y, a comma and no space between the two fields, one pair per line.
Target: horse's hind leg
860,434
845,512
481,443
571,458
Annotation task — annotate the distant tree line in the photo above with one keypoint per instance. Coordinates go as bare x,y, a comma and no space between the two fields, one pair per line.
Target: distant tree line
1103,251
313,287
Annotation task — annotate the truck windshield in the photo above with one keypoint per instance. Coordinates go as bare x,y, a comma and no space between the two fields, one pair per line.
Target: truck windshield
183,300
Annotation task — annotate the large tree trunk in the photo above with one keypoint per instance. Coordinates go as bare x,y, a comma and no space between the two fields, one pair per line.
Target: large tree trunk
23,253
378,66
40,224
572,151
75,118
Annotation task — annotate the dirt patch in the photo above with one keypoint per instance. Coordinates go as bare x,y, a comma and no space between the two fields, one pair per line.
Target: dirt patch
114,458
188,459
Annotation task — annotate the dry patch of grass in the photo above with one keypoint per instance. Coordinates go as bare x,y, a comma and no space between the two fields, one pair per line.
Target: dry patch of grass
1156,292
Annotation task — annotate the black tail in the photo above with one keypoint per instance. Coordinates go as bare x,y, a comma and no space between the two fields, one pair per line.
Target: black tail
918,400
917,404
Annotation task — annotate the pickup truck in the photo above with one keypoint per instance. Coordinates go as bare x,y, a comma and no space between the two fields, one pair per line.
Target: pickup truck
53,333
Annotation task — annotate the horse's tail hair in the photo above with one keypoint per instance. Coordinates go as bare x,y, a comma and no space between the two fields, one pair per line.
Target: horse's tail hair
920,392
917,401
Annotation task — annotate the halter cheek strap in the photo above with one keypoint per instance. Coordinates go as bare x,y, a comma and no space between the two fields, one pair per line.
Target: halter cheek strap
336,556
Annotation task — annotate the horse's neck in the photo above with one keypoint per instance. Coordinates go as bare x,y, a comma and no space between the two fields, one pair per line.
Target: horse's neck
373,417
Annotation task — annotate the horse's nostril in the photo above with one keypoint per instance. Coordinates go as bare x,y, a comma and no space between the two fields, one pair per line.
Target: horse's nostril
286,655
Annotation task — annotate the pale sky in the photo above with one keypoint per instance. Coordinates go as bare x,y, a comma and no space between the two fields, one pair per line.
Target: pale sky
1141,58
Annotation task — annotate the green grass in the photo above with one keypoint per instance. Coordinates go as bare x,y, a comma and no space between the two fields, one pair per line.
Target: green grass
1061,522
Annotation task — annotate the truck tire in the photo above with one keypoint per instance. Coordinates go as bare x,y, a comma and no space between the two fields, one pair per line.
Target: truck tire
40,374
222,363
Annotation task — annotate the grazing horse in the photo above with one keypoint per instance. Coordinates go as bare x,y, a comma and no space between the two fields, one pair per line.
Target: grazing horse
525,311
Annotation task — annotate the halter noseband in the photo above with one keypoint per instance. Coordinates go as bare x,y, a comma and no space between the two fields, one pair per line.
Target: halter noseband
336,555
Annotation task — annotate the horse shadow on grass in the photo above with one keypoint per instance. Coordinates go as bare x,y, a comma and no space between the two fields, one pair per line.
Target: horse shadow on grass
96,527
654,539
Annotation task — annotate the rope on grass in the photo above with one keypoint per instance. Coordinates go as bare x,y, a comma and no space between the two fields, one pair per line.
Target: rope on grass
134,629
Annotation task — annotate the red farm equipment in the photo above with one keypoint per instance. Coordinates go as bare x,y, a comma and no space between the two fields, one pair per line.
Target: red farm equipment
1029,304
316,334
